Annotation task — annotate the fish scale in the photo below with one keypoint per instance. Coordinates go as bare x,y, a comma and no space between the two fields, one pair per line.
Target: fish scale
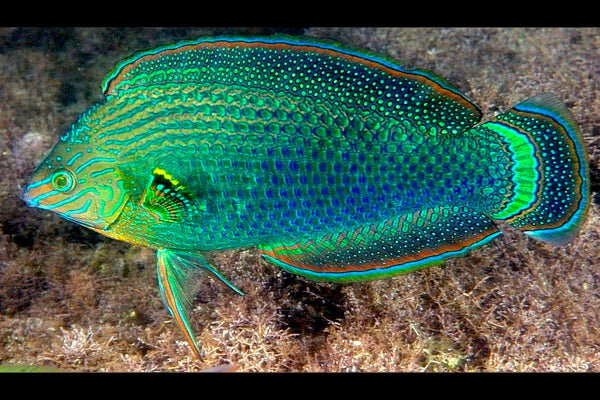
336,164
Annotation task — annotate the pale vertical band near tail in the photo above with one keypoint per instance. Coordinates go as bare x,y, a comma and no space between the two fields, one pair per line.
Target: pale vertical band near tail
551,185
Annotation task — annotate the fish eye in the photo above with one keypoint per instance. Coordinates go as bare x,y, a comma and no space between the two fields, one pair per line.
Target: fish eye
63,180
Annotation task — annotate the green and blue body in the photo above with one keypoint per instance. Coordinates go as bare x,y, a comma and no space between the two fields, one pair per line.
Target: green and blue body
337,165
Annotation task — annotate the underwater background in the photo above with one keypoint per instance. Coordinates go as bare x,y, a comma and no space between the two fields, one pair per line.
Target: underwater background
73,300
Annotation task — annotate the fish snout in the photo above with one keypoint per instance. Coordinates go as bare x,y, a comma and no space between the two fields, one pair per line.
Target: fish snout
26,197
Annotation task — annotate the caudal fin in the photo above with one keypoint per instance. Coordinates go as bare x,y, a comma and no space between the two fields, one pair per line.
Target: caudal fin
551,170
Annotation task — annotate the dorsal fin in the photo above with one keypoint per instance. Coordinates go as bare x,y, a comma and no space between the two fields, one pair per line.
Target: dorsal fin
203,59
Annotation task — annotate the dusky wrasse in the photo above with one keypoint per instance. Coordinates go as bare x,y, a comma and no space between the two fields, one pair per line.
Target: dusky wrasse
338,165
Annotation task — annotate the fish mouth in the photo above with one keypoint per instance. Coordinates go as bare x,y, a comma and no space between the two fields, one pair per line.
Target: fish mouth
96,225
24,195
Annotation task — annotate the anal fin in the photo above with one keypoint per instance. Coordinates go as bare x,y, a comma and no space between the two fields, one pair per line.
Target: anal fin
397,245
177,272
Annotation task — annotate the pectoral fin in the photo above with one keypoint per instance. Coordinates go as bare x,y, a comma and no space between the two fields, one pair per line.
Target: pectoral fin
167,198
177,271
391,247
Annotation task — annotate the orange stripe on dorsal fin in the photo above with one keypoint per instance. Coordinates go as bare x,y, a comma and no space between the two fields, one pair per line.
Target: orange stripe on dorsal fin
145,67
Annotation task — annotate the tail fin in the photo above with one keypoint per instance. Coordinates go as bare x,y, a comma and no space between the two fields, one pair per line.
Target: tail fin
551,171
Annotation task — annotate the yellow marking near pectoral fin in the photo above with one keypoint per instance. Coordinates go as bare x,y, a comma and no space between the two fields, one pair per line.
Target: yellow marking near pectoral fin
169,200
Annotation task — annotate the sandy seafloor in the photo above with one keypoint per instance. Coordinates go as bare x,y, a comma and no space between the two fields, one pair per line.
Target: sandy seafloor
73,300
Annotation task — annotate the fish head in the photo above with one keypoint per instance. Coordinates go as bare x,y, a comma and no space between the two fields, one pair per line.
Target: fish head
79,185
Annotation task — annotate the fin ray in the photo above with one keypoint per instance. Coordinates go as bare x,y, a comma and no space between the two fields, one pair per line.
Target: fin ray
176,271
167,198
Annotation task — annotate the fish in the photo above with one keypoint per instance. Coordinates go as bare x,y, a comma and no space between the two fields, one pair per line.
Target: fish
335,164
